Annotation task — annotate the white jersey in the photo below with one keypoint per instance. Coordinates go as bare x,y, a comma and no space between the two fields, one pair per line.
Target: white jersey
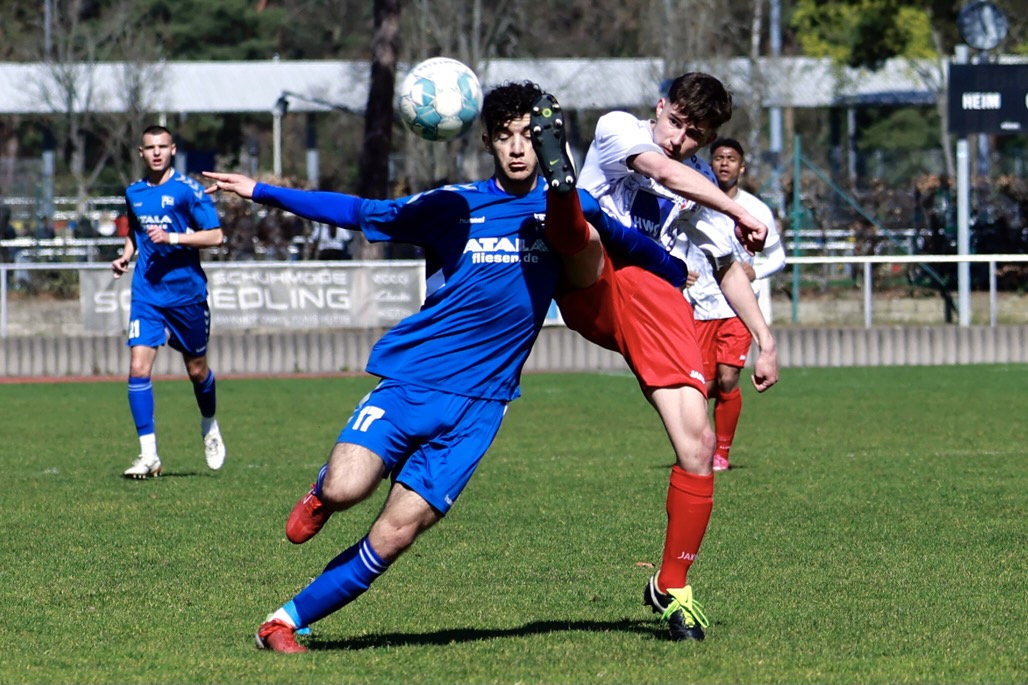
640,202
705,294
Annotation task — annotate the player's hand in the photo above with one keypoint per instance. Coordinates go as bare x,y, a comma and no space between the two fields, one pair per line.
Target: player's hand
158,235
234,183
119,266
765,371
751,233
691,278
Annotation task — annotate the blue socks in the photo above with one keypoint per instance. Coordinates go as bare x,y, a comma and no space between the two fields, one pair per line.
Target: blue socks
206,397
320,479
140,398
345,579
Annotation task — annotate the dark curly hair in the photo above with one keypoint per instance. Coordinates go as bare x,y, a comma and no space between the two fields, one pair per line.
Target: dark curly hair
507,102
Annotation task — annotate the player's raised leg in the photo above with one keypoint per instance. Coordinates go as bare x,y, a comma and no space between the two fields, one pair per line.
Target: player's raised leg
549,138
567,230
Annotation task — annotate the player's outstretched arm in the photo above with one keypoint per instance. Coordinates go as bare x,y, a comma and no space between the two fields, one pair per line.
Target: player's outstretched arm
336,209
234,183
691,184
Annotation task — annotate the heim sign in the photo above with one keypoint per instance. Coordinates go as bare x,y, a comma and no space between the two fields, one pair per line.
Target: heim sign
988,98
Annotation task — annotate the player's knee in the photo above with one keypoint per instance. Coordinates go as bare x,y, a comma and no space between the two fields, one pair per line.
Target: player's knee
390,540
727,378
339,494
197,369
708,443
699,456
139,370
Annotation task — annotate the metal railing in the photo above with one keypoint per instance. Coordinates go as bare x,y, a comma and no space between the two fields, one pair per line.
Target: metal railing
867,262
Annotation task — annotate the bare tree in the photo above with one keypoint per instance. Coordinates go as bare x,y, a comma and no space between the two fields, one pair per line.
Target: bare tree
757,89
87,114
378,120
934,79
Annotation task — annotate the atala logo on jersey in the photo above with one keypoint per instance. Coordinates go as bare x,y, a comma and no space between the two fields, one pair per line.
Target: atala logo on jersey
167,201
505,250
150,219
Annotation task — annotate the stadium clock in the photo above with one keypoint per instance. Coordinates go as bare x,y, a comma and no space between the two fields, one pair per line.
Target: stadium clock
982,24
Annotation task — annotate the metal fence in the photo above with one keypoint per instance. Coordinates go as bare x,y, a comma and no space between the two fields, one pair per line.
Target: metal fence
869,274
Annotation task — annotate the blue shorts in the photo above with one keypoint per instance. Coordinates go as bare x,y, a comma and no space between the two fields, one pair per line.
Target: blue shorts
186,328
430,441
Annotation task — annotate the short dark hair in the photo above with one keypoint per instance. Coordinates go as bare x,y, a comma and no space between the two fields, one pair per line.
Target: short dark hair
155,130
507,102
701,97
728,142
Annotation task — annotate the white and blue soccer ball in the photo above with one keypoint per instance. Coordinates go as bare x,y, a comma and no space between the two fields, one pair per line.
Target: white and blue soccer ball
440,99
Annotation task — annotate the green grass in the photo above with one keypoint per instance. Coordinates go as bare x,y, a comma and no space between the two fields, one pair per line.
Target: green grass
873,531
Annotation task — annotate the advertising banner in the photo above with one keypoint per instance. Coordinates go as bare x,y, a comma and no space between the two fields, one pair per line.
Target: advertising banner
277,296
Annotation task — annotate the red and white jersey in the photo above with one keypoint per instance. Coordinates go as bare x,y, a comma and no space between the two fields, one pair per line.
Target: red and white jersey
640,202
705,294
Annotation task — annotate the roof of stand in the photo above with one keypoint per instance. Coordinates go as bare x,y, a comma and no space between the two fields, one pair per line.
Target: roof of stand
223,87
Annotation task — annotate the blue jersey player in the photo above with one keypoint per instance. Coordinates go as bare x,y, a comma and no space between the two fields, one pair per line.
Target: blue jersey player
448,371
170,219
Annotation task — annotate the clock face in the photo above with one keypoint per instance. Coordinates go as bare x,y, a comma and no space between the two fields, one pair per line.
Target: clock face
982,24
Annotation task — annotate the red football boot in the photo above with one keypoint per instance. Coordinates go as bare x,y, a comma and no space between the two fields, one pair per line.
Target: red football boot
278,636
306,518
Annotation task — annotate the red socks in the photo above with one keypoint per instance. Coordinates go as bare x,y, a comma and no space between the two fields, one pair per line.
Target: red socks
727,408
567,231
690,499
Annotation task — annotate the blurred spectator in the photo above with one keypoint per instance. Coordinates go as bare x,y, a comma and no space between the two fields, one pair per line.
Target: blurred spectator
84,228
7,231
44,229
275,234
332,242
121,225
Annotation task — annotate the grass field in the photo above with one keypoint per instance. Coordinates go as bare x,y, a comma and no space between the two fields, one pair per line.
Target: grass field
874,530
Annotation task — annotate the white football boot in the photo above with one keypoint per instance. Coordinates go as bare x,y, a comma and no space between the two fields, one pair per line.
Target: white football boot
144,467
214,448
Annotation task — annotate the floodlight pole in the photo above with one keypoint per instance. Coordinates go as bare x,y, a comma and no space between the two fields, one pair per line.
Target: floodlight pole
279,111
775,112
963,214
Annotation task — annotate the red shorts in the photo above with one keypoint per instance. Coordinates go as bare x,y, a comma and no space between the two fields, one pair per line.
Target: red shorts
645,318
723,341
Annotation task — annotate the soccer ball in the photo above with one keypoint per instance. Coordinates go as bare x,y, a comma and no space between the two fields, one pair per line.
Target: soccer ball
440,99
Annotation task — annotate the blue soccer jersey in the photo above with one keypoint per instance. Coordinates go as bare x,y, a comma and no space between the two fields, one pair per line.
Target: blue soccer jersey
491,277
168,275
490,274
